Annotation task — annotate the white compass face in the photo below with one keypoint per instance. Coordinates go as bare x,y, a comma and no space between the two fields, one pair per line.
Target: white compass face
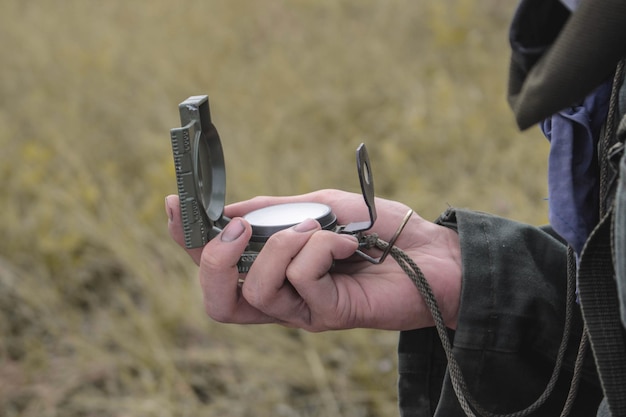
269,220
287,214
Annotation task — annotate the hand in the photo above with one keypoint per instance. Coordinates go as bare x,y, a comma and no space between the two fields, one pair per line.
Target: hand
308,278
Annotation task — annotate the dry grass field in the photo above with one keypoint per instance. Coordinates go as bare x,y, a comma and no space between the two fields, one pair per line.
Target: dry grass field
100,312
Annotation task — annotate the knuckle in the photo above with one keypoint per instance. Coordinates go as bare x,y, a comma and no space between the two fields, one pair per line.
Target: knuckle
217,315
252,296
210,260
295,273
335,194
279,241
259,200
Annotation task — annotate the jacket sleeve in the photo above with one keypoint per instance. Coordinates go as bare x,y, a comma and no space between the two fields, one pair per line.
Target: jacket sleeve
509,328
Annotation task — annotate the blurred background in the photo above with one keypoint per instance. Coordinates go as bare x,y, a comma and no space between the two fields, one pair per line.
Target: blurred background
100,312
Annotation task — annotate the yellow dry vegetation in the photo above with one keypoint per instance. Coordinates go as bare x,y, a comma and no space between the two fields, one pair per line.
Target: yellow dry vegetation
100,312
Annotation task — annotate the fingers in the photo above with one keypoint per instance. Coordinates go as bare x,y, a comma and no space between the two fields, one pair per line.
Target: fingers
218,273
265,286
175,226
309,273
342,203
348,207
219,276
297,259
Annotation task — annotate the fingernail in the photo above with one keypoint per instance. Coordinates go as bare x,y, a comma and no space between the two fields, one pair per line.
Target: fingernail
168,210
306,226
232,231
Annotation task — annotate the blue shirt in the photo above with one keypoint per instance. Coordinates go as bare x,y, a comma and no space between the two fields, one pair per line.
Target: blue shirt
573,174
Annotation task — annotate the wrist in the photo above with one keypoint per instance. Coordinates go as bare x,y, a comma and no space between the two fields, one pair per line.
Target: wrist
436,250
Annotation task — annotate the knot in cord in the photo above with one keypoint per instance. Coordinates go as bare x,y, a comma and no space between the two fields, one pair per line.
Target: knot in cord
369,241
